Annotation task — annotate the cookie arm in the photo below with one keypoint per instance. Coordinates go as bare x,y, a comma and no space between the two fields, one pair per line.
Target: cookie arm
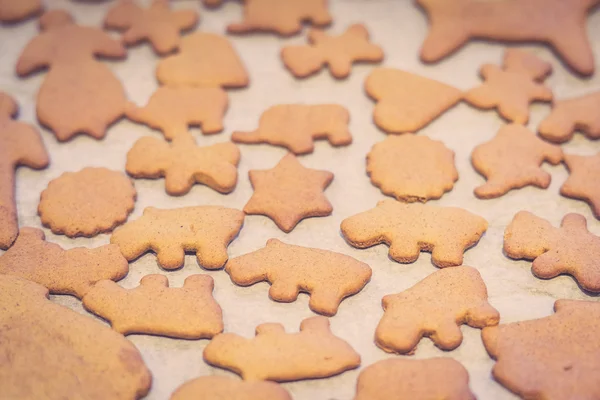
104,45
38,54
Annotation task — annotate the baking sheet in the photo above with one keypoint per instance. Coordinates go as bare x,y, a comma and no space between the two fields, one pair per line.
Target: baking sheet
399,28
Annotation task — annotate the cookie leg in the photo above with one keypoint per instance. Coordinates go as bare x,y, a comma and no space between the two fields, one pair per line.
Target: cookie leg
284,291
170,257
212,256
404,250
482,316
558,127
325,302
397,335
447,255
447,335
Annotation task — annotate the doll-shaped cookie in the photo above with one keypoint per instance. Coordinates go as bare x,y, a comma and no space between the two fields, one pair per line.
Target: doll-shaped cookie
229,388
582,184
570,115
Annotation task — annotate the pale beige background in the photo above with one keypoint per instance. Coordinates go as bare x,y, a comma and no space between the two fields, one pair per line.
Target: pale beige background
399,28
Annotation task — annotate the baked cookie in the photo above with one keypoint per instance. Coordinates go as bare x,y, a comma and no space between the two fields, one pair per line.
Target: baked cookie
204,60
227,388
402,378
173,109
288,193
87,202
182,163
570,249
512,160
337,52
52,352
296,126
20,144
583,180
412,168
205,230
556,357
63,101
189,312
278,356
568,116
283,17
407,102
408,229
73,271
157,24
326,276
19,10
557,23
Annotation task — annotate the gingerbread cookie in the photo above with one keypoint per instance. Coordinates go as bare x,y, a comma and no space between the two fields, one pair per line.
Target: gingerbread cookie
512,160
435,307
19,10
411,228
407,102
157,24
223,387
278,356
570,249
412,168
173,109
568,116
288,193
205,60
328,277
86,203
556,357
558,23
205,230
182,163
283,17
583,180
402,378
64,103
52,352
189,312
338,52
296,126
72,271
20,144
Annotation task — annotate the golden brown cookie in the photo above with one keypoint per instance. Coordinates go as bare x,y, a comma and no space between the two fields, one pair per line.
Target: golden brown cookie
52,352
216,387
182,163
402,378
407,102
570,249
288,193
337,52
64,103
278,356
189,312
73,271
205,230
558,23
412,168
408,229
435,307
568,116
87,202
326,276
157,24
583,181
19,10
20,144
512,160
296,126
173,109
204,60
556,357
284,17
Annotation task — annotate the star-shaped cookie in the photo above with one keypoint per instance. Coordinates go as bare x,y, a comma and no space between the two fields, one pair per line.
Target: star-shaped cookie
289,193
583,180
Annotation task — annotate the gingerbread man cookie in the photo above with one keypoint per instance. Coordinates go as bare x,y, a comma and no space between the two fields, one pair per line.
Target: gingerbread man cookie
568,116
407,102
512,160
296,126
278,356
570,249
154,308
205,230
328,277
338,52
18,10
412,168
227,388
408,229
583,180
156,24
